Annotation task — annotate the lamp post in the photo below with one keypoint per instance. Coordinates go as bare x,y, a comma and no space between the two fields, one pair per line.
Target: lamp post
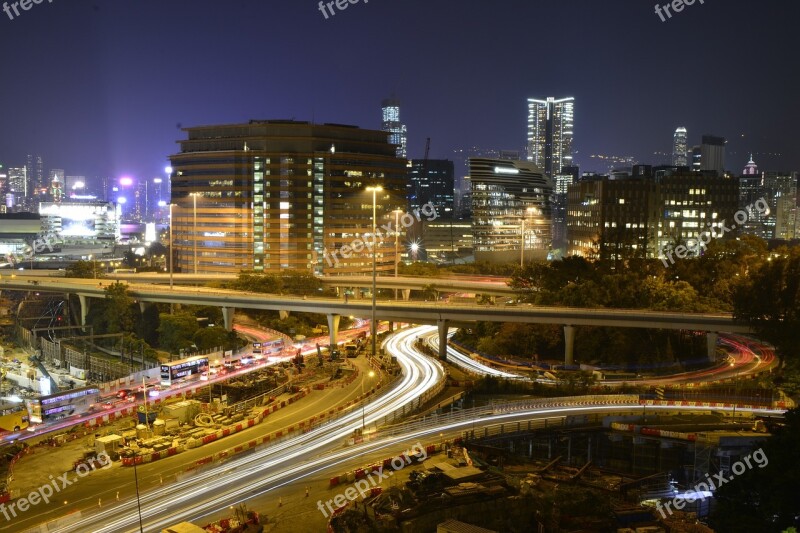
363,406
138,500
194,227
373,327
396,245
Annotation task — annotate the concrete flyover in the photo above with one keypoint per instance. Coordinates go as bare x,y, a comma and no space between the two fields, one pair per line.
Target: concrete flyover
486,285
443,315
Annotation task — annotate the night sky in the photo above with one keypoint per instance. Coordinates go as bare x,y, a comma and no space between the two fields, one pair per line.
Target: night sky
99,88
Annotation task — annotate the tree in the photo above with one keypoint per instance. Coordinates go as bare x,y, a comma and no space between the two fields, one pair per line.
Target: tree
213,337
84,269
176,331
770,301
117,309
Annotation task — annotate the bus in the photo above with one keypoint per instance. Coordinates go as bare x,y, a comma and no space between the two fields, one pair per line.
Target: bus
13,417
61,404
272,347
183,369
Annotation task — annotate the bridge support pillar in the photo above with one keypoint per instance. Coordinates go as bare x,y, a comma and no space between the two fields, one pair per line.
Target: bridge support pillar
84,301
569,344
711,344
406,295
283,315
443,327
333,329
227,315
143,306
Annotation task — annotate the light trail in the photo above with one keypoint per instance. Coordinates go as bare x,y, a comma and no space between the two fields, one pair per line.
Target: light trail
467,363
208,492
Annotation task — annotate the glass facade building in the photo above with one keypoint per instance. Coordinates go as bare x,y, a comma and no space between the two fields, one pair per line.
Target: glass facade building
390,123
680,148
432,181
550,133
510,209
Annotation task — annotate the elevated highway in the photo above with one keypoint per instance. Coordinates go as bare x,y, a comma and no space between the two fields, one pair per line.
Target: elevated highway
443,315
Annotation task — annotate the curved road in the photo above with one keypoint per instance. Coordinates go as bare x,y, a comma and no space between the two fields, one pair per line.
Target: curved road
245,477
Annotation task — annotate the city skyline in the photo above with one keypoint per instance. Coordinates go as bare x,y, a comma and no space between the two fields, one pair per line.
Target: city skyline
117,112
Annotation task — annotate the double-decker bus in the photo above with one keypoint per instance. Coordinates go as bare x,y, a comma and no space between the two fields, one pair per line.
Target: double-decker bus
13,417
183,369
61,404
272,347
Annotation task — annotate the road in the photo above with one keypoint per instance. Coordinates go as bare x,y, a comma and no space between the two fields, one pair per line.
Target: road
746,357
245,477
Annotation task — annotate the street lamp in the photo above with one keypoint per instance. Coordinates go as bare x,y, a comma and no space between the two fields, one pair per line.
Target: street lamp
373,327
363,405
194,227
396,245
94,266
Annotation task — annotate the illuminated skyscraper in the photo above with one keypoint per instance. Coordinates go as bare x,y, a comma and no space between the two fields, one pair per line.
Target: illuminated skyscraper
431,181
550,133
680,148
390,110
272,195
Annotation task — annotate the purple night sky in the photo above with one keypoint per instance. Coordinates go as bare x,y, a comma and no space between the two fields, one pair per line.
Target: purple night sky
99,88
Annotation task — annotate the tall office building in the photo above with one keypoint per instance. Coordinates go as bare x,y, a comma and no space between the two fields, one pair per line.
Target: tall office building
19,188
751,190
432,181
692,204
777,186
613,220
680,148
561,183
37,184
271,195
390,111
550,133
712,154
511,211
643,217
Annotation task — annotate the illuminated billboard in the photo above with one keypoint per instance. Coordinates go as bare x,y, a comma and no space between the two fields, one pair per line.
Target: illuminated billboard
80,220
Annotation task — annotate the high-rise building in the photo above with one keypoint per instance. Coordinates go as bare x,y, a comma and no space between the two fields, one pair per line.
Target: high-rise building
432,181
612,219
751,169
697,158
642,216
751,190
271,195
37,186
680,147
787,219
511,211
712,154
550,133
776,185
18,187
56,184
390,111
561,183
694,203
